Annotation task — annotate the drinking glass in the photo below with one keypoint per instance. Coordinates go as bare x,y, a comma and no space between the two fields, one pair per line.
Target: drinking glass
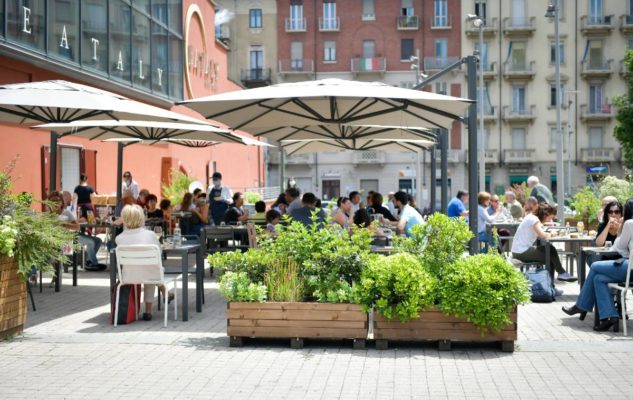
608,244
158,231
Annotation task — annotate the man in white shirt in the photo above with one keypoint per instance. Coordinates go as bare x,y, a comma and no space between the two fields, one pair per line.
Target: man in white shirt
409,217
130,185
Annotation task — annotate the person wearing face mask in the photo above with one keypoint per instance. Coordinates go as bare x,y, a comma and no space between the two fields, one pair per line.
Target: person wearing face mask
219,198
130,185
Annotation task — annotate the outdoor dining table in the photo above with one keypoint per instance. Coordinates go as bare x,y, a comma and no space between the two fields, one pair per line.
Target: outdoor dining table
183,252
575,242
591,251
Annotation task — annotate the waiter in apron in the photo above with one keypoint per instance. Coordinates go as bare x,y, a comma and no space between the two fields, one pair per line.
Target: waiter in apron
219,198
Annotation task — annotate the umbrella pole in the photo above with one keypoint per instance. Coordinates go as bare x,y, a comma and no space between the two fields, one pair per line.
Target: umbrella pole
471,64
282,169
433,178
119,177
52,184
444,168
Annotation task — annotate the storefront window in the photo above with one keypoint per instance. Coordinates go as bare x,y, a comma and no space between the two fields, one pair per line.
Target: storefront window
63,29
175,15
175,66
26,22
141,62
120,24
94,35
159,58
159,11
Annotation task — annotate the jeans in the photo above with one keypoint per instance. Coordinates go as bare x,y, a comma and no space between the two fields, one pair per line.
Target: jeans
485,238
596,289
92,244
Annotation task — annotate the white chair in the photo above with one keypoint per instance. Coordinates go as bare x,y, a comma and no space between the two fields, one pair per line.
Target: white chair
623,288
142,264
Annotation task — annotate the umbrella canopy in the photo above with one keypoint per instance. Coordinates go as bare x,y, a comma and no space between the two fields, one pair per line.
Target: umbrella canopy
62,101
314,146
348,132
329,101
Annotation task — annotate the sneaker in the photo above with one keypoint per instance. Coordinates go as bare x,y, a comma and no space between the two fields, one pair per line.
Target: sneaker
566,277
558,292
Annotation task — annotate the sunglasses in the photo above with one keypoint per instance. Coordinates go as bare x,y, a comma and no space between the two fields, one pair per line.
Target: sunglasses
614,212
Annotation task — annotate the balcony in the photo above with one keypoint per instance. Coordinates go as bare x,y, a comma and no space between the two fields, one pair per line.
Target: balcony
307,158
524,71
490,114
438,63
519,26
623,69
369,65
600,154
296,67
596,69
596,25
255,77
441,22
626,24
491,26
596,113
296,25
519,156
514,115
492,156
369,157
329,24
407,22
368,17
222,33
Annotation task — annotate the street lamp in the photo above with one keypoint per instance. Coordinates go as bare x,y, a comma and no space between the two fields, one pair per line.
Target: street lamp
570,132
478,22
552,12
419,75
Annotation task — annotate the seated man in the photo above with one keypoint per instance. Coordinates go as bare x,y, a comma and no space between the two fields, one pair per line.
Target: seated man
236,213
304,214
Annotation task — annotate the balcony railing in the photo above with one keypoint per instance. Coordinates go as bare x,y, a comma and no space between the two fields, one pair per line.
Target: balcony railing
441,22
596,68
329,24
519,156
296,25
491,26
519,26
296,66
222,32
453,156
368,65
596,112
368,17
369,157
490,113
407,22
596,24
438,63
492,156
519,114
255,75
599,154
513,70
626,24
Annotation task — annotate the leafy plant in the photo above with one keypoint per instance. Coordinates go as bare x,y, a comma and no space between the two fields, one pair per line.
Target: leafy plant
254,263
624,115
340,292
283,281
252,197
397,286
236,286
8,235
618,188
483,289
586,204
178,186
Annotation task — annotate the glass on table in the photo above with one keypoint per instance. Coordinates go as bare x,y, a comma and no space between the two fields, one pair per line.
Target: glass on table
158,231
608,244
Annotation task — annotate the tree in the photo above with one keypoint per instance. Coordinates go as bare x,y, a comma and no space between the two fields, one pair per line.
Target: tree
623,131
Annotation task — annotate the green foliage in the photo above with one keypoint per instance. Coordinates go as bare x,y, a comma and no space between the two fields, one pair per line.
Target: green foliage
178,187
484,289
340,292
618,188
8,235
397,286
586,204
283,281
624,115
252,197
253,262
236,286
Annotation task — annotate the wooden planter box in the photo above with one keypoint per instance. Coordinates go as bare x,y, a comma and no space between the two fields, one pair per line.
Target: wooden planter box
434,325
296,321
13,300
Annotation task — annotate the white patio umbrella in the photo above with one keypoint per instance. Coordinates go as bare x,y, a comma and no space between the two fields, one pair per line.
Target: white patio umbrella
62,102
314,146
347,132
329,101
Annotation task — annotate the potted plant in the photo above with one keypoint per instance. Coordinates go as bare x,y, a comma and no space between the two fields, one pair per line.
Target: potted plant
30,241
586,204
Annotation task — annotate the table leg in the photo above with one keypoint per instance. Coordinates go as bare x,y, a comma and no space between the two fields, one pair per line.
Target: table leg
199,279
582,260
75,256
58,276
112,276
185,285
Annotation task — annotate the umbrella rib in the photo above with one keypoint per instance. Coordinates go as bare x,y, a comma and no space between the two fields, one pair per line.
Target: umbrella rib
26,114
432,109
357,108
219,114
308,109
260,104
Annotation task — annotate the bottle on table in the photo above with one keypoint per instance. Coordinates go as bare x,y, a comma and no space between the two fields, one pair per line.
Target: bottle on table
581,227
567,229
177,236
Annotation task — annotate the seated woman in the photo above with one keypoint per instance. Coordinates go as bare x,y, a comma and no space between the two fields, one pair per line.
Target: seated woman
596,290
186,204
343,214
152,210
609,227
134,232
523,248
378,208
199,217
483,218
280,204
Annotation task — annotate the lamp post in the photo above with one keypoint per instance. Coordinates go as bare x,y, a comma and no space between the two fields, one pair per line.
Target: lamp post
552,12
415,66
478,22
570,132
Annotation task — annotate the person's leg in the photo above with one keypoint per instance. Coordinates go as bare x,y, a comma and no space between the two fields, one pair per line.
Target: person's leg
587,297
606,272
90,248
554,259
148,297
483,240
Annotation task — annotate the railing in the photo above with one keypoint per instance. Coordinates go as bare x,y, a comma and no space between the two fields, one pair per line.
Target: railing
453,156
375,64
265,192
626,24
296,25
368,17
490,69
519,112
329,24
519,68
438,63
593,66
222,32
589,22
519,155
255,74
490,112
297,66
492,156
406,22
519,25
491,25
369,157
597,111
441,22
598,154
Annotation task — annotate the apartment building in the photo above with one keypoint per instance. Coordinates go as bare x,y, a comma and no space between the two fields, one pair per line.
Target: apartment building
369,40
519,58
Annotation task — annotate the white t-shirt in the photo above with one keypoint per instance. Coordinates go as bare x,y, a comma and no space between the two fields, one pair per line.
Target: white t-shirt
67,216
623,242
525,235
136,236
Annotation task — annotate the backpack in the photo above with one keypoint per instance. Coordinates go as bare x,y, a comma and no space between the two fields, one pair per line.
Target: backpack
127,306
541,285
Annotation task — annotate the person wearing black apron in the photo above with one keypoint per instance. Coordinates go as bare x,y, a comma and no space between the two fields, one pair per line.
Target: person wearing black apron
217,198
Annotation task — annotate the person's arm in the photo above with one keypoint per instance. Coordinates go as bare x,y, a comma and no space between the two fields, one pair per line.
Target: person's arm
227,193
339,218
602,235
540,232
624,240
387,214
244,216
402,224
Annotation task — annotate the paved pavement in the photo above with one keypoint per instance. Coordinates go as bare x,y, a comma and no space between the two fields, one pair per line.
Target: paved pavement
69,350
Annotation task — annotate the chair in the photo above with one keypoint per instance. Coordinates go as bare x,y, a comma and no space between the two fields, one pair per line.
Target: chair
217,239
252,235
142,264
623,288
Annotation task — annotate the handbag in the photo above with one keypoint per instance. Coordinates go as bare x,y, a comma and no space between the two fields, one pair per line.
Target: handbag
541,285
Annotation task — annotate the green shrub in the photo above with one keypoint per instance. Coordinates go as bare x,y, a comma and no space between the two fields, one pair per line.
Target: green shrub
586,204
618,188
252,197
236,286
253,262
397,286
483,289
283,281
178,187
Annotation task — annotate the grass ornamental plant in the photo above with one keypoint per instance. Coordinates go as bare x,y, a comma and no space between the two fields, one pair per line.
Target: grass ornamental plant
283,281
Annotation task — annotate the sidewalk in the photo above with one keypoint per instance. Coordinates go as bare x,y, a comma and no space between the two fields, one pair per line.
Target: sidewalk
69,350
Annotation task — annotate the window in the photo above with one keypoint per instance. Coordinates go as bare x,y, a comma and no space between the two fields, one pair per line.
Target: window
518,99
441,13
141,60
552,52
552,94
329,15
329,50
517,56
160,58
518,139
440,48
518,13
406,49
595,98
596,135
369,13
296,56
369,49
70,164
94,37
368,184
63,36
553,138
120,38
255,18
629,43
26,23
406,8
480,8
296,15
595,11
256,64
441,88
594,54
175,72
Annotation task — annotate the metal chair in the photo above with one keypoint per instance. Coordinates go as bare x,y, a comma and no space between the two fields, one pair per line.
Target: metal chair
623,288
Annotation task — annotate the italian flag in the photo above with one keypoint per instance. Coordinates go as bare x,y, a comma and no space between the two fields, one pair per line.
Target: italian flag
369,64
